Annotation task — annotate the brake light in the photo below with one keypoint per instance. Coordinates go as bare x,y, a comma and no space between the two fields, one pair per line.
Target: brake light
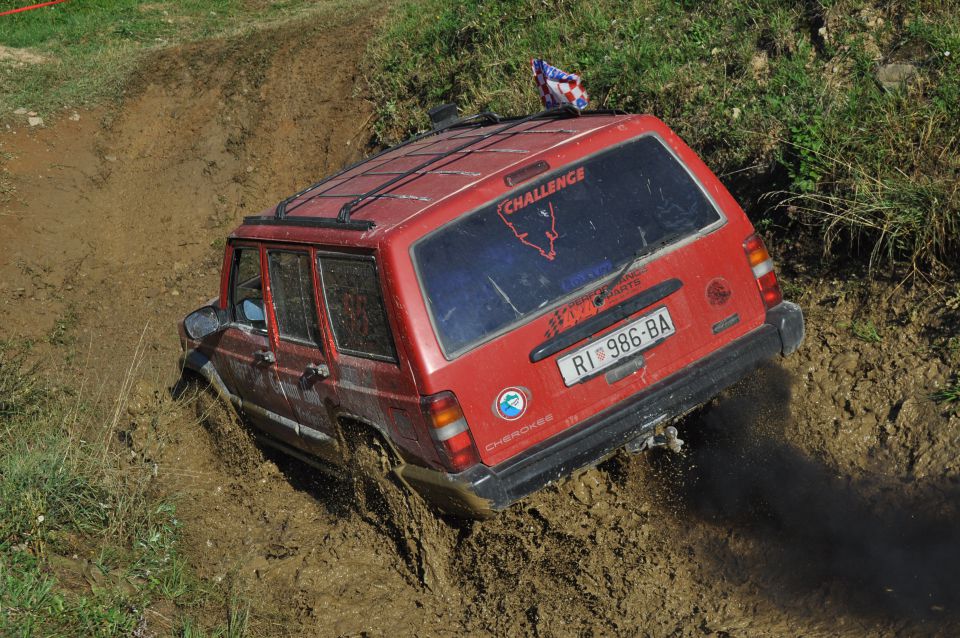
449,431
763,271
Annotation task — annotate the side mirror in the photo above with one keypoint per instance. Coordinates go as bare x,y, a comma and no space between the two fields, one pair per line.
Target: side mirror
204,322
252,310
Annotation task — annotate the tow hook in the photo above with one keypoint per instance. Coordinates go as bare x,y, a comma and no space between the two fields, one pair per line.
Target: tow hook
667,439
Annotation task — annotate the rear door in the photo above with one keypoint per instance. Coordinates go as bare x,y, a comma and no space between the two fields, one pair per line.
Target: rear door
370,369
302,363
513,288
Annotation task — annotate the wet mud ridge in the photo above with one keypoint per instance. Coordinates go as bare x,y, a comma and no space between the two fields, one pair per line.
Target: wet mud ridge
818,498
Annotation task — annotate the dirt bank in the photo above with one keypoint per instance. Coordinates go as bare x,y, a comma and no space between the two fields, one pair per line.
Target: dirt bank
817,499
114,223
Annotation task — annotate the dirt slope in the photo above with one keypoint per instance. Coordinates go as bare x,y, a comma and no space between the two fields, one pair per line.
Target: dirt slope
115,218
818,499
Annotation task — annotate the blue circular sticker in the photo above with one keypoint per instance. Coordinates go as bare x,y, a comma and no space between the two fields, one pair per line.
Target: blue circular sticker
511,404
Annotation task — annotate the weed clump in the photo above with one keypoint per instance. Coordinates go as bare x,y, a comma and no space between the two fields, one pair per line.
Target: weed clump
84,547
21,393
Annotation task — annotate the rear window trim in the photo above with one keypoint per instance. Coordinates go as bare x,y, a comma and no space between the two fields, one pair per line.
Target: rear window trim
320,254
577,292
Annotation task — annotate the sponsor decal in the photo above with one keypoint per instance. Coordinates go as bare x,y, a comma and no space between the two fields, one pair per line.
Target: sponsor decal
511,403
718,292
537,225
583,308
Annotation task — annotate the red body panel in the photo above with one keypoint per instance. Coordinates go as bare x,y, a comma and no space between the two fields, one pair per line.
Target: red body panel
386,394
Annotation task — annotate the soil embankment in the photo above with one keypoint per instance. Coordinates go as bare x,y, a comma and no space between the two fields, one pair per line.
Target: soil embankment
817,499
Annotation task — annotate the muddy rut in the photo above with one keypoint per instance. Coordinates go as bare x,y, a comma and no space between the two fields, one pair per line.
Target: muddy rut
817,498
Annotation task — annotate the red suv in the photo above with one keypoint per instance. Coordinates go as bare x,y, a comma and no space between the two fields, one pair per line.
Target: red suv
497,303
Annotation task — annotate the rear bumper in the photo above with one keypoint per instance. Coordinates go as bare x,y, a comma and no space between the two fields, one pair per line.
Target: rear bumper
482,490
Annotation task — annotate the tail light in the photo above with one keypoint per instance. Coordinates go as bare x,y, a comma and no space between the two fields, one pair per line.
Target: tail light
763,271
449,431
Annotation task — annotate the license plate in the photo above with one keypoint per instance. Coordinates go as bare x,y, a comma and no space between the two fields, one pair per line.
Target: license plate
616,346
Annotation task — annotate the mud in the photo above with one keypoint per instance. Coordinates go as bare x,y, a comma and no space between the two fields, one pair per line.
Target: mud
817,498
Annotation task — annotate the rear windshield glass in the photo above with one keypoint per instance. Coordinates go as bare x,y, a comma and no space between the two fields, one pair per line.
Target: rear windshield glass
549,237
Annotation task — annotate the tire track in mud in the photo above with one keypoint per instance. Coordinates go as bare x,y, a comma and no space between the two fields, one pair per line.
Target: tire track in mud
750,533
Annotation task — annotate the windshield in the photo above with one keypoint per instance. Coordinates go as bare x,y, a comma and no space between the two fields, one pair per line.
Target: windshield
540,242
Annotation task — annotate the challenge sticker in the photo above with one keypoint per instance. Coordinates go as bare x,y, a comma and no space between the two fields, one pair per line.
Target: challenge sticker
511,404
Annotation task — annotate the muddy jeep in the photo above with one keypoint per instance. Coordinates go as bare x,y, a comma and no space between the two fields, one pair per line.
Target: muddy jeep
494,304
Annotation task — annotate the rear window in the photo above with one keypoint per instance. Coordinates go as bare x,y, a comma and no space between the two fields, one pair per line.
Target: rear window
539,243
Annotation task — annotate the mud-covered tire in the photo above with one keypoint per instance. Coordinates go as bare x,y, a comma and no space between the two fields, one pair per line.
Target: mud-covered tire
236,448
422,539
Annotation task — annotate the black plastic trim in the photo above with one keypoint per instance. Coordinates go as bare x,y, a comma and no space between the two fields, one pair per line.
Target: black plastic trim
605,319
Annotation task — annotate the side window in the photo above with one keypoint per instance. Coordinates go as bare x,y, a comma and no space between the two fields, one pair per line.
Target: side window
357,315
246,289
291,285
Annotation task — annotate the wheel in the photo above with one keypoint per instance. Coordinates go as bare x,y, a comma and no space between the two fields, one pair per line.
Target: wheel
380,498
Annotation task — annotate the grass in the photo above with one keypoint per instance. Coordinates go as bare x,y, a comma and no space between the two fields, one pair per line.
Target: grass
950,395
781,98
866,331
89,47
85,548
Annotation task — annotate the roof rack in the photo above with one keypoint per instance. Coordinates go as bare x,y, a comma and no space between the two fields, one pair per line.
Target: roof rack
489,116
343,220
344,215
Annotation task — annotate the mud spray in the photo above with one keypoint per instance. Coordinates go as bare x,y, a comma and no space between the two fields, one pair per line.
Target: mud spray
889,549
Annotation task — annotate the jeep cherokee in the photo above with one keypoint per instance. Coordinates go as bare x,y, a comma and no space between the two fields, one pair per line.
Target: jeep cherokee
497,302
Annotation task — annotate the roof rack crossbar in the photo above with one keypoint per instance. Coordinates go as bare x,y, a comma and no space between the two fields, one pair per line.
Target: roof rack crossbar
443,154
488,116
419,198
344,215
441,172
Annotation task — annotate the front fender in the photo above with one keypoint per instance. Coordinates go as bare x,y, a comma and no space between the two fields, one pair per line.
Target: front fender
200,364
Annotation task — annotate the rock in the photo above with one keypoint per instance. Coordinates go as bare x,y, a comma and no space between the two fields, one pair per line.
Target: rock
75,117
20,111
735,114
35,121
110,158
895,75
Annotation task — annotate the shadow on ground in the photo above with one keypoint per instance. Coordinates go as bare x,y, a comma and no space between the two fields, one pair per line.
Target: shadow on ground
877,548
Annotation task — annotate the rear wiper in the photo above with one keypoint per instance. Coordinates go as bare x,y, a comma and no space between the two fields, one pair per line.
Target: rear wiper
644,251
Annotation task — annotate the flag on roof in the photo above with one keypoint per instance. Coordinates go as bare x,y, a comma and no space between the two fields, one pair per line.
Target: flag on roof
558,87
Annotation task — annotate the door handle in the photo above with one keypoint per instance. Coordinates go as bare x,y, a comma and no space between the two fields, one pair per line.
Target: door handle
318,370
264,356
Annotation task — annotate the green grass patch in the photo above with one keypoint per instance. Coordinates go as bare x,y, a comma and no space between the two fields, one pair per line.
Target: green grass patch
85,548
81,52
790,92
866,331
950,395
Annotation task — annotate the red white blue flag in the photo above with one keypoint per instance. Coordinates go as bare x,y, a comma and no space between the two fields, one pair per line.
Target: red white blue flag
558,87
